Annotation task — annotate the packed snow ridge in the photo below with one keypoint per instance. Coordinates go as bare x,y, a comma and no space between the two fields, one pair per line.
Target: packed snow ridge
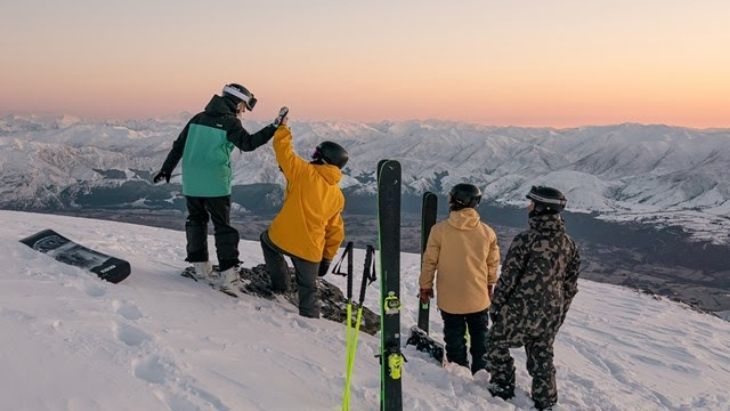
660,174
160,341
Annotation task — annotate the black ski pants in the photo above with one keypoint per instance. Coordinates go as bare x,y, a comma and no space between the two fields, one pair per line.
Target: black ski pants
306,276
455,329
217,209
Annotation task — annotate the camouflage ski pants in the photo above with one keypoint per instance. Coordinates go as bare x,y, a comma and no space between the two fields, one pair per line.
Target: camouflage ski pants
539,364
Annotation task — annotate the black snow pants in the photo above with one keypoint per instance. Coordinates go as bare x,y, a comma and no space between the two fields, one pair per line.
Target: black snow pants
306,276
455,328
217,209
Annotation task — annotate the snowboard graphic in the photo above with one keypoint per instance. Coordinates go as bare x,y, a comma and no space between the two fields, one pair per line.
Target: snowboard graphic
424,343
49,242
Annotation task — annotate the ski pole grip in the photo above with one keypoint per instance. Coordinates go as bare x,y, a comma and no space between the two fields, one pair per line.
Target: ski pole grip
349,270
338,264
366,273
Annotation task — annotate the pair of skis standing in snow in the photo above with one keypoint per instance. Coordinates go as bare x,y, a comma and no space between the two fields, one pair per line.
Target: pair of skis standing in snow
531,297
309,227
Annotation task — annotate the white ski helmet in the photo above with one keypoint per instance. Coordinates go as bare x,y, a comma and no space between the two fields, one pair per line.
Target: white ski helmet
240,94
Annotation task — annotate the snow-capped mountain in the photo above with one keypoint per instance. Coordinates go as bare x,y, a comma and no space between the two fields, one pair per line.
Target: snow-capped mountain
667,175
160,341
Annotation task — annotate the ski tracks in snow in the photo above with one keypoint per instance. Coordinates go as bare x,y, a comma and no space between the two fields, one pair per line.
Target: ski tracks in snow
632,344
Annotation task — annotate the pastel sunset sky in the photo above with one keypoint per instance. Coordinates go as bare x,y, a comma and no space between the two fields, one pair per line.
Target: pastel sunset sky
502,62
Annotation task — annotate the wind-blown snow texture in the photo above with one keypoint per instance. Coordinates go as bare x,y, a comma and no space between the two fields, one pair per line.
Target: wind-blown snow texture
660,174
159,341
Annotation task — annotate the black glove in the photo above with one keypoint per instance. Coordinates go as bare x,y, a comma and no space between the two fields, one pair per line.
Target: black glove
281,118
160,176
324,267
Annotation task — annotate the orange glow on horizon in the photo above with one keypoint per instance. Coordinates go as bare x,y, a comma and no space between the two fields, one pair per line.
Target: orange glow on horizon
567,63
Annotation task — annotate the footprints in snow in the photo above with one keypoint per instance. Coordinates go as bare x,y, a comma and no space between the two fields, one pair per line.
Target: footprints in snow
151,369
95,290
183,395
129,335
127,310
172,387
126,333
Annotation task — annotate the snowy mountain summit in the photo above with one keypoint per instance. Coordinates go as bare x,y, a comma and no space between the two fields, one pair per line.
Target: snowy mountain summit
158,341
653,173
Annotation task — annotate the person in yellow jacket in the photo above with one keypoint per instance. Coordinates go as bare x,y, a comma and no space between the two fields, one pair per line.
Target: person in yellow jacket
463,255
309,228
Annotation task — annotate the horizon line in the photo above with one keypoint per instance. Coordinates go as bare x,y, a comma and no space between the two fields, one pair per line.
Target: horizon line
102,119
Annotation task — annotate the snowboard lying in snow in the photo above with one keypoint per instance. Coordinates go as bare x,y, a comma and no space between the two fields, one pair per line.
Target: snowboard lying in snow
255,281
425,343
66,251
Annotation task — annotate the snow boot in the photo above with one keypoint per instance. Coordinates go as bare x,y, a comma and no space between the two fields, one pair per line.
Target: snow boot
543,407
229,281
203,270
505,393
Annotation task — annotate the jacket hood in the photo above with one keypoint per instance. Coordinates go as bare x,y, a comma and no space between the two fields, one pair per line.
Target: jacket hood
465,219
331,174
551,222
220,106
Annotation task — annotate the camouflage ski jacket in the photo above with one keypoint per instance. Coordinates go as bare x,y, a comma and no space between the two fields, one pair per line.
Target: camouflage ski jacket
538,282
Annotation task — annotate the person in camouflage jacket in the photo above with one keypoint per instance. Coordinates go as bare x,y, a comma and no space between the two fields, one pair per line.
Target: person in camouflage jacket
531,299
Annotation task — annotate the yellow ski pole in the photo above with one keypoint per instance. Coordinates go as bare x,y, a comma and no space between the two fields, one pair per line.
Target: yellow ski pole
348,326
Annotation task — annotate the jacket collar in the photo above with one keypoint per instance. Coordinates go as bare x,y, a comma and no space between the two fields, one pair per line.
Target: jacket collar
464,219
331,174
551,222
219,106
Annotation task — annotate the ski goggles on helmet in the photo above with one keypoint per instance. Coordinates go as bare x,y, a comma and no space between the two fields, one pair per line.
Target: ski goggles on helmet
547,195
248,99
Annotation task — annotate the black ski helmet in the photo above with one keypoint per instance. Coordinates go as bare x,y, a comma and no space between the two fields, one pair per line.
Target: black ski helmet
240,94
547,200
331,153
464,196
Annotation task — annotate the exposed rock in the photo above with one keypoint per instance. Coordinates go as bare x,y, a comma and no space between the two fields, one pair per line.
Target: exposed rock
334,304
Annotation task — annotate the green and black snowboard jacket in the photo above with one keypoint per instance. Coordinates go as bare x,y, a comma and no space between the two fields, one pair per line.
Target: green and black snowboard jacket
205,145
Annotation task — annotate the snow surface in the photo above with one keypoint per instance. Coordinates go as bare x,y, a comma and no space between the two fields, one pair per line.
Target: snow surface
158,341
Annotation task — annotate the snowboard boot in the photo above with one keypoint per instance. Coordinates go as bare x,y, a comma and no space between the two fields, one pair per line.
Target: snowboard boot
542,406
505,393
229,281
203,271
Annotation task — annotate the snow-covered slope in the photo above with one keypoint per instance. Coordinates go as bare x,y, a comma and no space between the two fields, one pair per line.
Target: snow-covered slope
159,341
668,175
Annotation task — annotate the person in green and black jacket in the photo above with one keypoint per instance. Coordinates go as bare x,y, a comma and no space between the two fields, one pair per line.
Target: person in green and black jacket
205,146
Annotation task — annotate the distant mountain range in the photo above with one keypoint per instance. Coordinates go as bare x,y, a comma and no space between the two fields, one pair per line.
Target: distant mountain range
653,173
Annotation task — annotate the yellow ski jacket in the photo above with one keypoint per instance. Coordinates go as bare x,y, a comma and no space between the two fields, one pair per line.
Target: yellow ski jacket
309,225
